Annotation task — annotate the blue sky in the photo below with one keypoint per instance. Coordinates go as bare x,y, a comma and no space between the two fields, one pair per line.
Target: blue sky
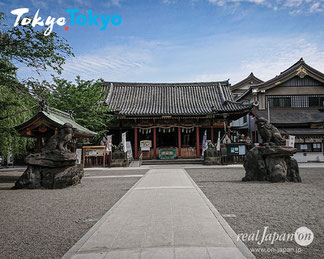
186,40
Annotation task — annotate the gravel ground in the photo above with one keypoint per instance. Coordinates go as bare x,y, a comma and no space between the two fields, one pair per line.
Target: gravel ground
46,223
283,207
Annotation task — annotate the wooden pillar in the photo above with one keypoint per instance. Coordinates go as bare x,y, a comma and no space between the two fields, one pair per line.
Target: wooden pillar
38,144
228,130
135,143
197,141
154,143
212,134
179,142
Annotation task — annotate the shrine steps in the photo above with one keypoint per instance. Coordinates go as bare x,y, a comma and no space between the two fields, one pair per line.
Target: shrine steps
173,161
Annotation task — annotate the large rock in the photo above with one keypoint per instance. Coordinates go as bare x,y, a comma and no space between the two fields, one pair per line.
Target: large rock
255,167
52,158
271,163
55,167
36,177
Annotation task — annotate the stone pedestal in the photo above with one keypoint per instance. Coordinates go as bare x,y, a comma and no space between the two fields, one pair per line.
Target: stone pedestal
52,169
271,163
119,159
211,157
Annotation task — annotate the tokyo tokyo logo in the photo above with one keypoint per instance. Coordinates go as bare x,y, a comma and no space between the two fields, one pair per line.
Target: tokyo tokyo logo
75,17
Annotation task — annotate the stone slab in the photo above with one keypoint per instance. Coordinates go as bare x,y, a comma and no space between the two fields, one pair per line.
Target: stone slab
165,215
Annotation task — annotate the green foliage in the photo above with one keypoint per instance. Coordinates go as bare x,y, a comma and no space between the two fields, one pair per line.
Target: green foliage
12,102
23,46
85,99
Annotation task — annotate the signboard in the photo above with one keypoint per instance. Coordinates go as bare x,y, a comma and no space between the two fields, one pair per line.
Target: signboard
124,141
95,152
291,142
146,144
242,150
109,143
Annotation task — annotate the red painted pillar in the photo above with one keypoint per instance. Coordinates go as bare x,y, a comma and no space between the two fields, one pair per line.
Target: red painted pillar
228,131
179,142
135,143
154,143
38,145
197,141
212,134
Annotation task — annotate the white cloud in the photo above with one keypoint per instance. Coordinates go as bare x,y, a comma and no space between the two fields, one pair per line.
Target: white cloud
167,2
113,62
293,6
265,57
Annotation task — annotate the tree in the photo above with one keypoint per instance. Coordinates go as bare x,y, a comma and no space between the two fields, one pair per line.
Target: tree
24,46
85,99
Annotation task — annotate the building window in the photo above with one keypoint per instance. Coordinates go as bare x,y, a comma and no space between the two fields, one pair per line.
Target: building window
309,147
295,101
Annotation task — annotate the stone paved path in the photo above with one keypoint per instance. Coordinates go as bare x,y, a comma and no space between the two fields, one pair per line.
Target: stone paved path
165,215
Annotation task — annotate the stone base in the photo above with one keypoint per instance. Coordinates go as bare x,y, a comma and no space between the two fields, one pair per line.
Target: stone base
51,158
271,163
36,177
119,163
217,160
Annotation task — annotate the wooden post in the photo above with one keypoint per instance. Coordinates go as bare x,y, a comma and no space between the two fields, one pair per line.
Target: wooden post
179,142
197,141
212,134
154,143
135,143
38,144
255,130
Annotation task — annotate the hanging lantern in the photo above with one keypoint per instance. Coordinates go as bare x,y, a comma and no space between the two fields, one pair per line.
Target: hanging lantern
140,130
182,130
149,130
159,129
169,130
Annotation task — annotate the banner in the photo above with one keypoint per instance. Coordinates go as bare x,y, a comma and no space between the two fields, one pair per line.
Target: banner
124,141
204,143
108,144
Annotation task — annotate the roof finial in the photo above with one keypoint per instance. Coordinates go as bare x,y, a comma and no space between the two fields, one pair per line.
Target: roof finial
301,59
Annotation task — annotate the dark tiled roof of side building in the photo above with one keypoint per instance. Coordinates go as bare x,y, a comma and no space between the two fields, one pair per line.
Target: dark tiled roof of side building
249,80
177,99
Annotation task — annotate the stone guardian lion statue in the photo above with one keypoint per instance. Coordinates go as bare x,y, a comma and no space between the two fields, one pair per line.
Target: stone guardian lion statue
269,133
60,140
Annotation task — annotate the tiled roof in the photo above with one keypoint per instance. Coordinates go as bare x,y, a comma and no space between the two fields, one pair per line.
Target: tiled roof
293,116
250,80
58,118
300,68
178,99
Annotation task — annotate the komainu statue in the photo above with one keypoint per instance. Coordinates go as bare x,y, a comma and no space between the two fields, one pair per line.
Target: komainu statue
269,133
60,140
272,161
55,167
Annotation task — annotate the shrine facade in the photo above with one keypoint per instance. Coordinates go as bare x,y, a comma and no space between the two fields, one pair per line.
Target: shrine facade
172,117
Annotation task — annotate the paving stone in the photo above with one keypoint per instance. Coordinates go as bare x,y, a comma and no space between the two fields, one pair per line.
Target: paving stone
163,216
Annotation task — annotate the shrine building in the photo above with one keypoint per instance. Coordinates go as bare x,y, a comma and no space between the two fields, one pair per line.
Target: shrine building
171,116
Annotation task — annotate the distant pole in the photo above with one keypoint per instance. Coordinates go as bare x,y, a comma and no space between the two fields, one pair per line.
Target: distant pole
255,134
255,93
268,110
